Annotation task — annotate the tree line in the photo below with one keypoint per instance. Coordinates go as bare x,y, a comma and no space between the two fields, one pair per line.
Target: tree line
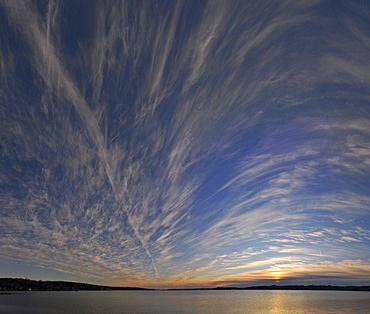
22,284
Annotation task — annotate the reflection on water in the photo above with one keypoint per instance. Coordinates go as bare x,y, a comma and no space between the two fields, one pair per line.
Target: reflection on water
273,301
277,302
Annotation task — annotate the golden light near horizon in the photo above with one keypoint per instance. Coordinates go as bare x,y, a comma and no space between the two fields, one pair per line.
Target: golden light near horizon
277,274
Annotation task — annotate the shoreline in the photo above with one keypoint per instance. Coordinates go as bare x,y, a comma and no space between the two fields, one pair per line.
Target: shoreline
20,284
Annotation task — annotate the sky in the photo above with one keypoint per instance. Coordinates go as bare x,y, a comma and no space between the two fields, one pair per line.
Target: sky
181,144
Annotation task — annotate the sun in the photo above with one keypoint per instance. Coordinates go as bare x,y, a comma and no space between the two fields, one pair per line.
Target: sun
276,274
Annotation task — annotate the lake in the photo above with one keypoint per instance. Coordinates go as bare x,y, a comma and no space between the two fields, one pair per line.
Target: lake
181,302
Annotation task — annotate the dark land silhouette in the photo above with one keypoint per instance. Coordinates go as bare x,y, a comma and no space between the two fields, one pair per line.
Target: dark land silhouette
21,284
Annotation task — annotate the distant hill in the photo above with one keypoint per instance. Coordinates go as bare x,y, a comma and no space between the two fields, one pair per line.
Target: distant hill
299,287
20,284
288,287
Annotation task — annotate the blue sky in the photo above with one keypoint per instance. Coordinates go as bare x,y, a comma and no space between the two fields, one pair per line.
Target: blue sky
185,143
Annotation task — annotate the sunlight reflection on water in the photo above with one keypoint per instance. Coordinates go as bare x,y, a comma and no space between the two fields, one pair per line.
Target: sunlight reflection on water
282,302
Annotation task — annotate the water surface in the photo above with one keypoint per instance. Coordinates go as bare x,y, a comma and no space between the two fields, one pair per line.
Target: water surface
251,301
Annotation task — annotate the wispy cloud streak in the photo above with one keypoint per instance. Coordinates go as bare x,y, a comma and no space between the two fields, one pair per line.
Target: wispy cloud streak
178,142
